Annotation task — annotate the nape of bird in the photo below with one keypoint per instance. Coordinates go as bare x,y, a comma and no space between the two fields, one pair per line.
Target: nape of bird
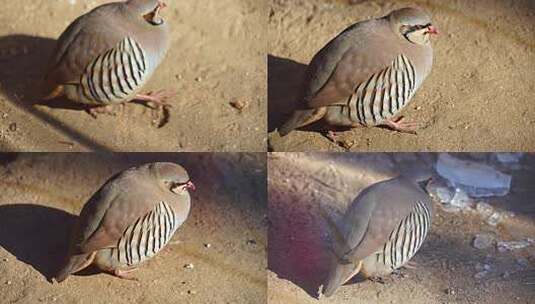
381,231
367,74
129,219
106,56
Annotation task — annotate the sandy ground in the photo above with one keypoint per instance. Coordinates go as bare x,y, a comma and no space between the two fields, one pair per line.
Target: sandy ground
303,186
42,193
477,98
217,57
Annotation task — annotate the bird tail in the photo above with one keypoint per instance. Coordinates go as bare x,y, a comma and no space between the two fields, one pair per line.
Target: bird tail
74,264
339,274
56,92
300,118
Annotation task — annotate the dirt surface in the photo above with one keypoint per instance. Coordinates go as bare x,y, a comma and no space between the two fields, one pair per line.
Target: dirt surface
303,188
477,97
42,193
217,57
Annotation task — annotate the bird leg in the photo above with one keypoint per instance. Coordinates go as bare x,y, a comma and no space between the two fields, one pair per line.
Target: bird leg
402,126
107,109
331,135
411,265
123,274
159,97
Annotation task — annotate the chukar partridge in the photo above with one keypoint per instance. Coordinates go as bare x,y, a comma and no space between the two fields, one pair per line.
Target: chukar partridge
381,231
106,56
129,219
368,73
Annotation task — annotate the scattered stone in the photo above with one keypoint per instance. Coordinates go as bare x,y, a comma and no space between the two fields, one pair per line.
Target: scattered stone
8,282
444,194
188,266
13,127
461,199
207,245
450,291
251,242
239,105
506,275
484,209
5,259
522,262
483,241
494,219
480,275
192,292
514,245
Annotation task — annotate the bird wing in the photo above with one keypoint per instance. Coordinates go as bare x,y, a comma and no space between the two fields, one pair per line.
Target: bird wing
354,57
87,37
375,213
116,206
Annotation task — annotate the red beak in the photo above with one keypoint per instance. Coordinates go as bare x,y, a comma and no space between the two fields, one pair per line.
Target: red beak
432,30
190,185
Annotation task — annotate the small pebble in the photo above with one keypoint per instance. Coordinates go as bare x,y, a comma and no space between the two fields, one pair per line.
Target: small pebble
8,282
239,104
207,245
483,241
450,291
188,266
192,292
251,242
5,259
13,127
480,275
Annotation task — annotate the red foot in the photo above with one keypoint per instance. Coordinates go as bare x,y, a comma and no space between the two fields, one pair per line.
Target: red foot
159,97
123,274
402,126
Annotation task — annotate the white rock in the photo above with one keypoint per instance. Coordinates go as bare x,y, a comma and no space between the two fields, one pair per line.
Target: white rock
483,241
514,245
476,179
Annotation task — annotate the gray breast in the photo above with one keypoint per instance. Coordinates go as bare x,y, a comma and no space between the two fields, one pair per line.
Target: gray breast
406,239
384,94
147,236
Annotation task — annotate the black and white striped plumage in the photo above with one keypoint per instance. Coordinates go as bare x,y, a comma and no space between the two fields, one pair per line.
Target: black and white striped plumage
148,235
383,95
114,76
381,231
367,74
402,243
129,219
106,55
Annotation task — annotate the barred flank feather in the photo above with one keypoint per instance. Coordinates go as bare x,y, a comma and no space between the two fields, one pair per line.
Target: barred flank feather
116,74
148,235
407,238
384,94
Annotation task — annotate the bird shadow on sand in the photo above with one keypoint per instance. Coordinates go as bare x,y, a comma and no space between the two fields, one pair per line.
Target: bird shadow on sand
36,235
285,78
23,63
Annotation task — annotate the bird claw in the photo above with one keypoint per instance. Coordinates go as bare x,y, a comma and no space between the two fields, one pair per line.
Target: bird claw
402,126
124,274
158,97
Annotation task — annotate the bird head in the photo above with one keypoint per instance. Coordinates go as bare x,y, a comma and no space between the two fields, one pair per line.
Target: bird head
149,10
413,24
173,178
